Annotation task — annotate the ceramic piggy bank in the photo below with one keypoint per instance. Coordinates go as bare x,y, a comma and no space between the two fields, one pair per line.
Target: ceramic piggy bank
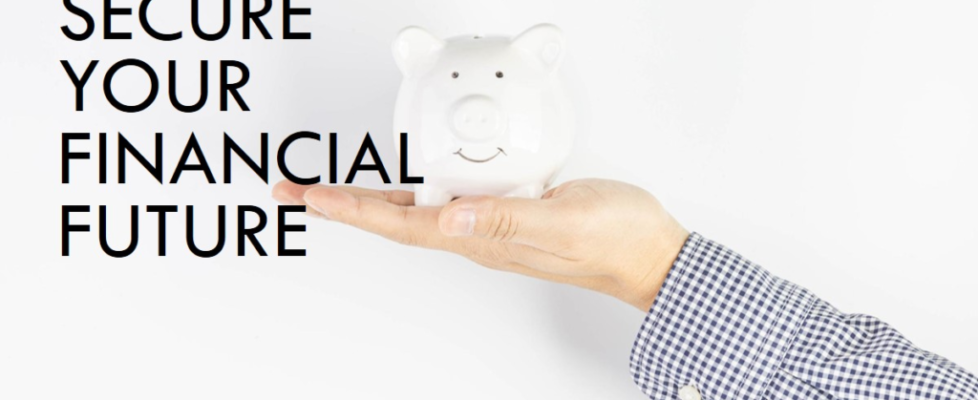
485,115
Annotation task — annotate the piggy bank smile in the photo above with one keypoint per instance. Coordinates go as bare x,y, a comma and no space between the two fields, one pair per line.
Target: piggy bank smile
489,114
499,151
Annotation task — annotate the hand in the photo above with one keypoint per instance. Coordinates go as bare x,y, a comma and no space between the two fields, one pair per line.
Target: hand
601,235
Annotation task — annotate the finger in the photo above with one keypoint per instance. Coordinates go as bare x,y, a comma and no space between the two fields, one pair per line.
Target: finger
512,220
287,192
290,193
415,226
398,197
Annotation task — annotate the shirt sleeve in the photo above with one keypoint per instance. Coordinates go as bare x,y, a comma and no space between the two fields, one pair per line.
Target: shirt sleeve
724,328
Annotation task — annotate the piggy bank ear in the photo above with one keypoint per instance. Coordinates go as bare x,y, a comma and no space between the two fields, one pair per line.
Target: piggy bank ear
544,42
414,49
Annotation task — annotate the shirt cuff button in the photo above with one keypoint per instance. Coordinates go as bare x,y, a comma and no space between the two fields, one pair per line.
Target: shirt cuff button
689,392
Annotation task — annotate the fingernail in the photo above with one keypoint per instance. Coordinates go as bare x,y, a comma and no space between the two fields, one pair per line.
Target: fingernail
461,223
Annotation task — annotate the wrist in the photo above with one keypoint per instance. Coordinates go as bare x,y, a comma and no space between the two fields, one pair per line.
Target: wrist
640,284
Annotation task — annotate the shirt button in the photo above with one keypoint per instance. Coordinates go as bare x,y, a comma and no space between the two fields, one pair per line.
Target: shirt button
689,392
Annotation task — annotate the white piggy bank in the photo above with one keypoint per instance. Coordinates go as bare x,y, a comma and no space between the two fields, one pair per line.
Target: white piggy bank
485,115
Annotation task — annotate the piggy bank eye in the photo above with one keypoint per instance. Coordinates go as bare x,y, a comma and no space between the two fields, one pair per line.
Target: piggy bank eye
454,75
499,74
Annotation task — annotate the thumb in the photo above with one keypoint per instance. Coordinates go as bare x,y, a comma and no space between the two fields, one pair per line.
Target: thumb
513,220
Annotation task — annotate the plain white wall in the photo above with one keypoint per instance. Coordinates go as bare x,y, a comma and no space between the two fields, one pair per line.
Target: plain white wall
831,141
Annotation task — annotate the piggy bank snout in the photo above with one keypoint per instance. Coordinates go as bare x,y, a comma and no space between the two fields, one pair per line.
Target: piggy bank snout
477,119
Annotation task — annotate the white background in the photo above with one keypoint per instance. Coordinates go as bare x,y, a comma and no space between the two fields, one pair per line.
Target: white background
833,142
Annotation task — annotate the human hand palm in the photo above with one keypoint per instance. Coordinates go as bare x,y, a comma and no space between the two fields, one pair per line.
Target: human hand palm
601,235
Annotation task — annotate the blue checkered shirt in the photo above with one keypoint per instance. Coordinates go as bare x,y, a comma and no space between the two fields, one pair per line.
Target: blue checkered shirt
731,330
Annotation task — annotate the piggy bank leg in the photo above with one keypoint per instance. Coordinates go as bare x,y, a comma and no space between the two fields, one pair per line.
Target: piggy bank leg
427,195
531,191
